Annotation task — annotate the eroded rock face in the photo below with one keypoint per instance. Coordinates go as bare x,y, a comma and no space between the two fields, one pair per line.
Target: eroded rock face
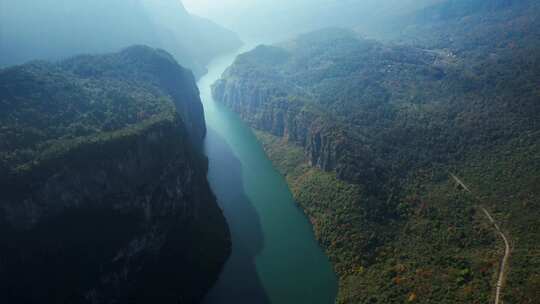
125,216
268,107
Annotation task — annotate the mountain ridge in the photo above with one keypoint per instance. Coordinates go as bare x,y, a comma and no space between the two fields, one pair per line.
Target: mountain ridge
106,178
165,24
367,132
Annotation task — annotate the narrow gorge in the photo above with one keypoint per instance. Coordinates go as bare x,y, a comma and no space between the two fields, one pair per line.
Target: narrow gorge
350,152
275,257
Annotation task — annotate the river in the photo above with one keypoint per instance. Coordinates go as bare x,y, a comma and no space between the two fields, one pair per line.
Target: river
275,257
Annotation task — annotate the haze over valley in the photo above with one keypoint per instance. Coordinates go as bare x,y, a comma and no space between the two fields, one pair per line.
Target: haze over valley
270,152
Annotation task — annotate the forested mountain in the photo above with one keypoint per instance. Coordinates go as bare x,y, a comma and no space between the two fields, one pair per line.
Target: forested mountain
468,25
53,29
368,134
104,191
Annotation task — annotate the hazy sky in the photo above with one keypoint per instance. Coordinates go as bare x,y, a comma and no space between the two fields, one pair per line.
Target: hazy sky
53,29
223,8
279,18
204,7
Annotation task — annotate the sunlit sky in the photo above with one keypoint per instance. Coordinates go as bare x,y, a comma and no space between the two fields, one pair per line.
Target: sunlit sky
222,8
281,18
211,7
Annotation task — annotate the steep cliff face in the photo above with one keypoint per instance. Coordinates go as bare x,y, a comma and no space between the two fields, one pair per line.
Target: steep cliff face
108,201
323,139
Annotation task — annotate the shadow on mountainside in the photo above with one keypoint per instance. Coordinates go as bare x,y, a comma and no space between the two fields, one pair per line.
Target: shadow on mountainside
239,282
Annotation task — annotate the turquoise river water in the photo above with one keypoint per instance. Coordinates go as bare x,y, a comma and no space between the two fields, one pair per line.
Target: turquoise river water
275,257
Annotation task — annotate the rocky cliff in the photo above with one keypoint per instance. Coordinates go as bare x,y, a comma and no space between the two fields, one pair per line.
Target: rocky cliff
105,194
324,140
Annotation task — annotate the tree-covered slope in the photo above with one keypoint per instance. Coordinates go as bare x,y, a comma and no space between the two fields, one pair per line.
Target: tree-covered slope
105,197
367,134
45,103
55,29
472,27
331,89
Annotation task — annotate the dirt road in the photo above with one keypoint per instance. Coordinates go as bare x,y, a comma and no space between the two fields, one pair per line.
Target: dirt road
504,261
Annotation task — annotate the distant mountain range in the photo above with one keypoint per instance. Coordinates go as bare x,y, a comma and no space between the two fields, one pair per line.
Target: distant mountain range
55,29
272,20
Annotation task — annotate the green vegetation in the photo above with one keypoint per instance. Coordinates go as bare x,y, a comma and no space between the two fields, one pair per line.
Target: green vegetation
367,134
105,196
434,245
47,108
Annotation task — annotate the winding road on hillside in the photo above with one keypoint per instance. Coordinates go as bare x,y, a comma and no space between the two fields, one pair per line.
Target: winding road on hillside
504,261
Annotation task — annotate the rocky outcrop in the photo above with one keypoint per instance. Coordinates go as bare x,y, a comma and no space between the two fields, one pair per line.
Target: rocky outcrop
267,105
260,107
118,216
